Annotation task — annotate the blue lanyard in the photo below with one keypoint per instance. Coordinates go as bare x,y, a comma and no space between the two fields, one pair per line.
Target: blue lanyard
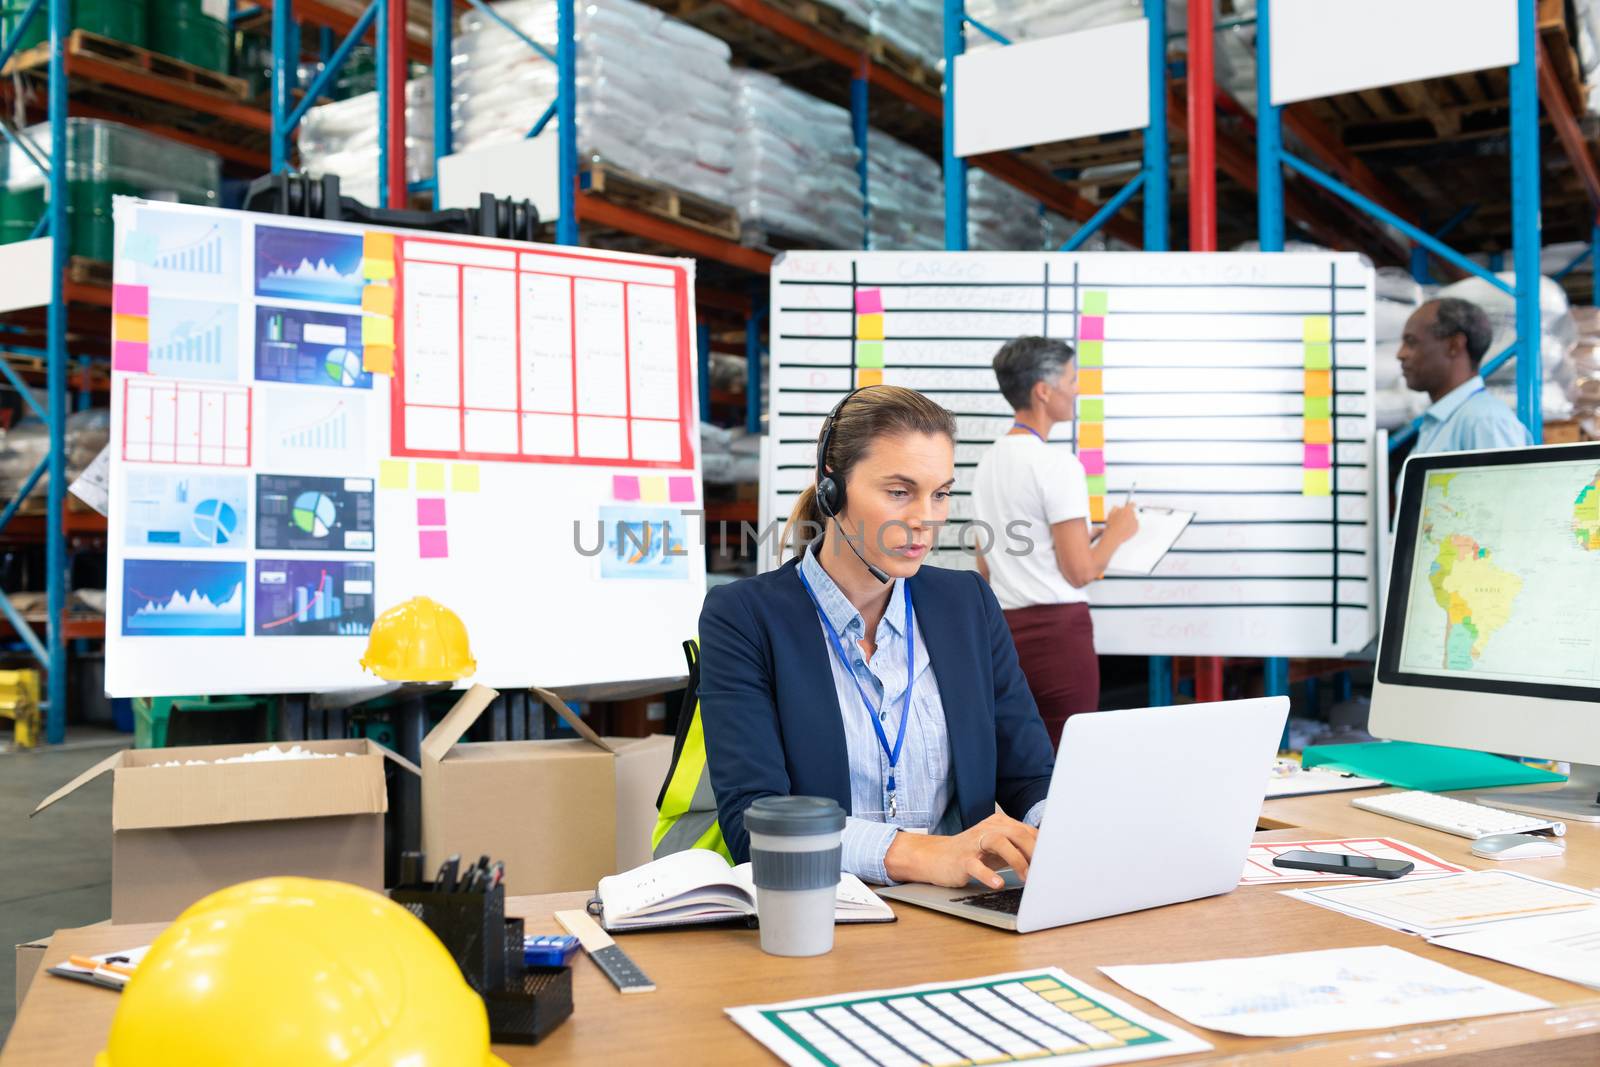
1030,429
841,650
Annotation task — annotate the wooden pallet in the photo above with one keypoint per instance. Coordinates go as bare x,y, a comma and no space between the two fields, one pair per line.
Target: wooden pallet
85,271
661,200
907,66
92,45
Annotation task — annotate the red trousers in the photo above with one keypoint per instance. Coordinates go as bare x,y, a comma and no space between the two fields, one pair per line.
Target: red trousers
1055,645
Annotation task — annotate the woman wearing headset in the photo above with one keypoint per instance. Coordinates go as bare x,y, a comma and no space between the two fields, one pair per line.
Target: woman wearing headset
855,672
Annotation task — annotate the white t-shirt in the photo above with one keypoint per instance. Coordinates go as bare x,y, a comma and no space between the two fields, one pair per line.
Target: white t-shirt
1024,481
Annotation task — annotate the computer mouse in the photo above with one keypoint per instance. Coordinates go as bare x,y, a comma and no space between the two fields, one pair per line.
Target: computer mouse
1517,847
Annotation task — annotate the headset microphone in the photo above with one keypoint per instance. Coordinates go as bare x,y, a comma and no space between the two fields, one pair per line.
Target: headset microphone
830,493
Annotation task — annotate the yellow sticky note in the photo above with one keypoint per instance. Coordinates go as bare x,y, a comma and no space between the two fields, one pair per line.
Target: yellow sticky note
377,330
653,490
1091,382
865,378
1091,435
378,299
394,474
869,327
377,270
130,328
1318,483
1318,328
464,478
1319,431
378,359
376,245
430,477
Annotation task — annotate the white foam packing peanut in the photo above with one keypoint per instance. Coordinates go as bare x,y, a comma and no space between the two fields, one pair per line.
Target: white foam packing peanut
274,754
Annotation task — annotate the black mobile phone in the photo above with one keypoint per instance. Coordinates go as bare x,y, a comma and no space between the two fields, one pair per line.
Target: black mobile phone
1338,863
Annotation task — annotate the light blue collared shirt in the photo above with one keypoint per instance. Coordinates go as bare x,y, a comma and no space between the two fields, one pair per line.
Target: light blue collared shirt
924,796
1469,417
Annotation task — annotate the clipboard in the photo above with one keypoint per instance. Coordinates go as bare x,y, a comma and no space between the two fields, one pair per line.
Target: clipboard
1159,530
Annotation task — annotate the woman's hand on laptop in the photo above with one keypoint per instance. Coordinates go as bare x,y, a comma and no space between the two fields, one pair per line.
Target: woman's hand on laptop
953,861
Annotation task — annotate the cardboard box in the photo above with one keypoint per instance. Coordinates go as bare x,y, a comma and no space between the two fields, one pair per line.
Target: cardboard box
29,954
178,833
561,814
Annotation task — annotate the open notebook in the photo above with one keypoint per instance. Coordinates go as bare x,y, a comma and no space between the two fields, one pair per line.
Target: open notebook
698,886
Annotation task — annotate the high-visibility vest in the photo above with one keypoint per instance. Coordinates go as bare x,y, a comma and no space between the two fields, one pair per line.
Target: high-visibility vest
687,808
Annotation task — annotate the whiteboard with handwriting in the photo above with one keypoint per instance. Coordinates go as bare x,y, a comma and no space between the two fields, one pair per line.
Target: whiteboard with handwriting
1234,385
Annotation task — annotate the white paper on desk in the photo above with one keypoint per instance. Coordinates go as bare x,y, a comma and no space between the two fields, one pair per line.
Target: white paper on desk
1452,903
1562,946
1304,783
1299,993
1159,529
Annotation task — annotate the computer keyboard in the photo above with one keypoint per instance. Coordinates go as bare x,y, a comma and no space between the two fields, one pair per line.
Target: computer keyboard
1452,816
1001,900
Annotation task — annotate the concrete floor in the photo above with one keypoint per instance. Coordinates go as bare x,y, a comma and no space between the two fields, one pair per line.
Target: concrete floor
55,870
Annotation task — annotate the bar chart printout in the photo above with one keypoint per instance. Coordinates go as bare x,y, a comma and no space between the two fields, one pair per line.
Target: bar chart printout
1234,385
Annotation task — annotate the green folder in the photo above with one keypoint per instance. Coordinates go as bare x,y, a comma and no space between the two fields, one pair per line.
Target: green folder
1428,767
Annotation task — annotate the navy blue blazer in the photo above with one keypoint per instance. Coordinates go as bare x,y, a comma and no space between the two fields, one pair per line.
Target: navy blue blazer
771,714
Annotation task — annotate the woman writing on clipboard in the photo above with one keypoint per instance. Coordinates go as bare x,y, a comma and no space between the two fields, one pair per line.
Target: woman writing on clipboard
1037,549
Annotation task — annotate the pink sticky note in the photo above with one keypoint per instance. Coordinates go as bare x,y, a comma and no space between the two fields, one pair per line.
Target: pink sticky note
130,299
869,302
1094,462
680,490
432,544
1091,328
130,356
430,511
625,487
1318,457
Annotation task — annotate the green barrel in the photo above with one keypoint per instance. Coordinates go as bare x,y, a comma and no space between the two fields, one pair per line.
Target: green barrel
19,214
121,20
196,39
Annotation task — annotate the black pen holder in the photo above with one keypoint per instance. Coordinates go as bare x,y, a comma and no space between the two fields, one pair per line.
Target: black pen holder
524,1003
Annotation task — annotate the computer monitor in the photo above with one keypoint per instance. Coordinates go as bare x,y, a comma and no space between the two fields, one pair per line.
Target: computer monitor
1491,635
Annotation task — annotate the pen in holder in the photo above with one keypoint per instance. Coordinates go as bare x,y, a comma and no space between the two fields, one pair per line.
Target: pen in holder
524,1003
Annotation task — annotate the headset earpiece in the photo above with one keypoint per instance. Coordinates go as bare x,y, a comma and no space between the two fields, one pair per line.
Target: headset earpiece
830,492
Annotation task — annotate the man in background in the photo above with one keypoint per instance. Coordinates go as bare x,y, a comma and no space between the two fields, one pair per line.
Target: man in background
1443,345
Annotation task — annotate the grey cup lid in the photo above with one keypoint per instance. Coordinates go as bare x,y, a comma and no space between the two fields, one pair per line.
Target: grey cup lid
794,816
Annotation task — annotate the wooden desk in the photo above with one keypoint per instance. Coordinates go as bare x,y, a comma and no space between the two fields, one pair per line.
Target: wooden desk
701,972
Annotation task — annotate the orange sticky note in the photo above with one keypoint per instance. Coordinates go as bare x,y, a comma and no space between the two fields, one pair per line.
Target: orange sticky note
1097,509
1319,383
865,378
869,327
378,359
378,299
1091,382
1319,431
1091,435
376,245
130,328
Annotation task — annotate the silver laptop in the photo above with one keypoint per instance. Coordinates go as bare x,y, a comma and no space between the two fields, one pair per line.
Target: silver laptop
1146,807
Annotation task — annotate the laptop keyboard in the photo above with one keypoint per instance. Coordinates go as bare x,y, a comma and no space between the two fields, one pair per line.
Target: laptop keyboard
1001,900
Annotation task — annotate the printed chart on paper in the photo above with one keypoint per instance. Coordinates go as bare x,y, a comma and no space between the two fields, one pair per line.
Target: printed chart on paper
1235,385
315,421
1043,1016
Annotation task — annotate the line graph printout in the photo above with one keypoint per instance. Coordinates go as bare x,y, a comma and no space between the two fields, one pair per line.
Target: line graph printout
1452,903
1235,385
1299,993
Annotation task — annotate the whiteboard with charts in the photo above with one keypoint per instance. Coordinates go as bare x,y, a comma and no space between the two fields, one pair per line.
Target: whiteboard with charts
314,421
1234,385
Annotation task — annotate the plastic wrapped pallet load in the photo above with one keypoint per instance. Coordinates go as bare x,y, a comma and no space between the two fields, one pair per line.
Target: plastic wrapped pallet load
1398,297
1585,389
794,169
654,93
1558,335
342,138
915,27
906,197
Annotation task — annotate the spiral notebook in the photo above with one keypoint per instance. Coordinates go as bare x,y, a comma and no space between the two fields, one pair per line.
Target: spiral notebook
698,885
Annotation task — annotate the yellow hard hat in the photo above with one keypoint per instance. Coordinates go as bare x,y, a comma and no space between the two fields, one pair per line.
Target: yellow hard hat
419,641
298,971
